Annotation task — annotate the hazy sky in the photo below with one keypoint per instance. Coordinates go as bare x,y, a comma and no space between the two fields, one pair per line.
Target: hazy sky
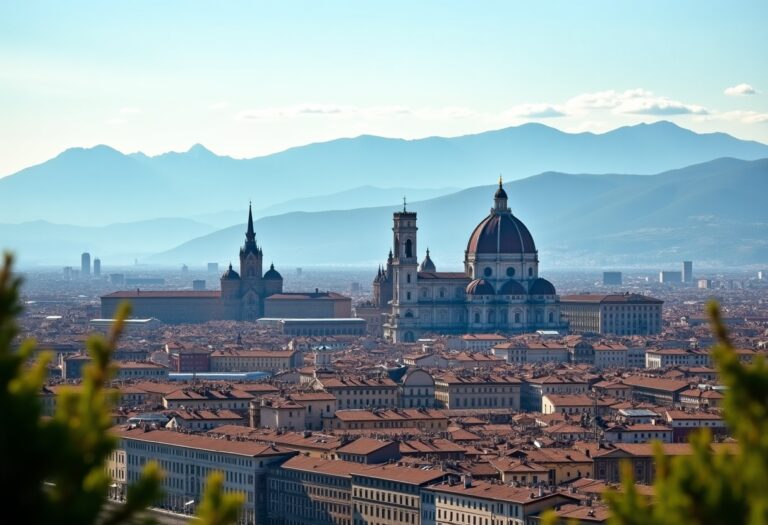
249,78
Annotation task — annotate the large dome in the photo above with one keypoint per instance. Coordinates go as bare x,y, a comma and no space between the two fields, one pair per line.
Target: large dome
501,233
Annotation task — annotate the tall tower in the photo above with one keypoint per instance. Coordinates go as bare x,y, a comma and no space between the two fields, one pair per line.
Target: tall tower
404,276
97,267
250,254
85,264
687,271
251,278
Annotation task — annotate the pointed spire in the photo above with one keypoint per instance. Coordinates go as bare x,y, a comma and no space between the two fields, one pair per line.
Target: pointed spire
404,210
250,235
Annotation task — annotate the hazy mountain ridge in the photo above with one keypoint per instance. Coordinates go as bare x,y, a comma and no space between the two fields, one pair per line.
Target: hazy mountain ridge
103,186
711,211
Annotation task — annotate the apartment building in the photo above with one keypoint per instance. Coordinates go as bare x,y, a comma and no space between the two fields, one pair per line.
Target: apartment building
204,398
620,314
424,419
361,392
455,391
481,503
311,491
390,494
231,360
189,459
535,388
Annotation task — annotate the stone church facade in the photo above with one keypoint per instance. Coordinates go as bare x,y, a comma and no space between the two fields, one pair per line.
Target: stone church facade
499,290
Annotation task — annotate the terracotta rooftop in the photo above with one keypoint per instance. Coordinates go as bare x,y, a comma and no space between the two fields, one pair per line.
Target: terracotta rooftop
410,476
199,442
337,468
484,490
364,446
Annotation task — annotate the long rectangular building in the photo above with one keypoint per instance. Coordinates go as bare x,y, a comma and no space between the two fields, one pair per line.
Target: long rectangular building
189,459
618,314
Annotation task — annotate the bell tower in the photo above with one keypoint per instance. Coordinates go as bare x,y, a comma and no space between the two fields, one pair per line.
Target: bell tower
403,325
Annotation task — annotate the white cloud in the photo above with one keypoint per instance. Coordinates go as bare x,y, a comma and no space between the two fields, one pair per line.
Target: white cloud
219,105
746,117
535,111
130,111
633,101
740,90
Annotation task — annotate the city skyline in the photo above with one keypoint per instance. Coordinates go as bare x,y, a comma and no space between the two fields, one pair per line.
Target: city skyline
252,79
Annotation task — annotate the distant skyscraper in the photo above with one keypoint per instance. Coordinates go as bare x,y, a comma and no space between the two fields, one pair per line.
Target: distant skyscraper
213,267
67,272
670,277
198,285
612,278
687,271
85,264
97,267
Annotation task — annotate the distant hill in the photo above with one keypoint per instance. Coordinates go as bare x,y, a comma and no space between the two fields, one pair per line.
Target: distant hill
712,211
100,185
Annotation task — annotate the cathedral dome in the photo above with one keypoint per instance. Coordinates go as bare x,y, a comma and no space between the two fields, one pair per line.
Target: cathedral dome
230,274
542,287
480,287
512,287
501,232
427,265
272,274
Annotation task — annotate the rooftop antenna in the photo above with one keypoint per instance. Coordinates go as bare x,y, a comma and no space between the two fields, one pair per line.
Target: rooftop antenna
403,203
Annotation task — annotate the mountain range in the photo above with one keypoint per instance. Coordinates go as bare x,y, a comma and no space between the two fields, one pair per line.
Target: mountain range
713,212
331,203
100,186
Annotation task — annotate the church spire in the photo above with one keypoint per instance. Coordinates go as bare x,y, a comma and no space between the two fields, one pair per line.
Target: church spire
250,235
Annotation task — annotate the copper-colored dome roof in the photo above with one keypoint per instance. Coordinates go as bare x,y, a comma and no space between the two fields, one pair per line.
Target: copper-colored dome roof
480,287
542,287
512,287
501,233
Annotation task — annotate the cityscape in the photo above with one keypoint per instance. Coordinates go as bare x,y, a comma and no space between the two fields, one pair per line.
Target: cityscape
384,301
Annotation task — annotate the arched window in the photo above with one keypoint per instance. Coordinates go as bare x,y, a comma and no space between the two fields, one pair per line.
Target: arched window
510,272
551,317
409,314
408,278
530,272
477,317
492,316
517,317
397,247
408,248
408,295
488,271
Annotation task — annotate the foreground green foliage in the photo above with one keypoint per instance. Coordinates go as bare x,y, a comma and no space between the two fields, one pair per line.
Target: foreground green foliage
52,470
726,487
